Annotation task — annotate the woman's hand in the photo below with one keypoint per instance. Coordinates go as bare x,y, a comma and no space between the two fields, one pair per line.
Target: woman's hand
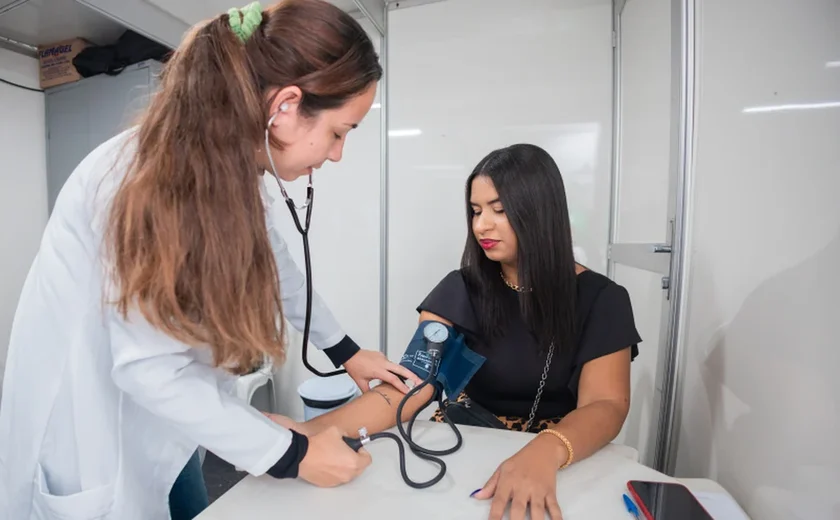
329,462
527,478
367,365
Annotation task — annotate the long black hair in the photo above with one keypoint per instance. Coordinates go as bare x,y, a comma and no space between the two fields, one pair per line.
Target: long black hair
531,189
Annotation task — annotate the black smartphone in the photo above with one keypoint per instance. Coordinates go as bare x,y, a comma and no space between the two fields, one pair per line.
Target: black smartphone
666,501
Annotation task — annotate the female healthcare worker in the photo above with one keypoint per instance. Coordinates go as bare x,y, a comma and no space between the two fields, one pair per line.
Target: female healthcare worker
160,277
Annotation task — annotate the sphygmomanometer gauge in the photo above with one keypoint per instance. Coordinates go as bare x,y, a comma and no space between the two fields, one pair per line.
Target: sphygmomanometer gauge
436,332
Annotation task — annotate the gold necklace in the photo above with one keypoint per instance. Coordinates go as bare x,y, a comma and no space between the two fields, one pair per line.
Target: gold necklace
515,287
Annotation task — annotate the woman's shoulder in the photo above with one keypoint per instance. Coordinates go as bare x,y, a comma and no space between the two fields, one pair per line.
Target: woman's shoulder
101,173
450,299
595,283
600,294
605,313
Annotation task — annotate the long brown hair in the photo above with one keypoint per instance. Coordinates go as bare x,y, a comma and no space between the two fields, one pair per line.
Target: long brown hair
187,232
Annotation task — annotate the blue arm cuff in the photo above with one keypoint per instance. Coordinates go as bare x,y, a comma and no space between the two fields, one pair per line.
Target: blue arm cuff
458,364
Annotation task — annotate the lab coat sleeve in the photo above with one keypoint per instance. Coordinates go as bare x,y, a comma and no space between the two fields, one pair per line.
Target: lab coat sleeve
324,332
164,376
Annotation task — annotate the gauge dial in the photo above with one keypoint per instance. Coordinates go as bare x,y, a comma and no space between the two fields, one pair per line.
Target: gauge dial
436,332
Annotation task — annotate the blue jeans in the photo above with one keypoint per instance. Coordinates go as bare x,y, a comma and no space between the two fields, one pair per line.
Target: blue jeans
188,496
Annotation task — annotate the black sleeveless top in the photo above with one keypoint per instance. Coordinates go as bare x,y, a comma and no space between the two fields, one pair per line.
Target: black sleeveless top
507,382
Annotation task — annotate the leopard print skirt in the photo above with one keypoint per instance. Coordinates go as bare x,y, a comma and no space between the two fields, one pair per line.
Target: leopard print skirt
512,423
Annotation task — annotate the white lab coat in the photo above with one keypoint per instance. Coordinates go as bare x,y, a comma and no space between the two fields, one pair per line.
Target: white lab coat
99,414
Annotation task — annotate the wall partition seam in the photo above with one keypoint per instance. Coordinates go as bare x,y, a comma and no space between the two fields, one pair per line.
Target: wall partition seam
615,167
19,47
382,27
683,21
12,6
383,189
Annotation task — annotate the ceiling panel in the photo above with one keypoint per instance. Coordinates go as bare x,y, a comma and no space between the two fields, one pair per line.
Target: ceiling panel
41,22
194,11
347,5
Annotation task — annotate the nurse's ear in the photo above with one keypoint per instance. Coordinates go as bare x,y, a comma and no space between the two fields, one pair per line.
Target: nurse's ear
283,109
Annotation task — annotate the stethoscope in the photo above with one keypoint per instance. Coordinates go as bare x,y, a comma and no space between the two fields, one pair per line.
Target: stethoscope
435,351
304,232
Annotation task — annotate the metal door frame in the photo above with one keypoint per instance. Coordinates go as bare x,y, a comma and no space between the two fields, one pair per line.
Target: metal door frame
376,11
672,258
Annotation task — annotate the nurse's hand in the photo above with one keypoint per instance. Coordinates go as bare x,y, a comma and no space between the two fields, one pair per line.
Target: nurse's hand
367,365
329,462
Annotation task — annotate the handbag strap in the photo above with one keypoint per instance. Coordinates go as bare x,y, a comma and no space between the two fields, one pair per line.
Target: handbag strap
540,387
585,308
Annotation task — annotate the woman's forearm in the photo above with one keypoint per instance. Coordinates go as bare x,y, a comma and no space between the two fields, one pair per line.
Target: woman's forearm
375,410
588,429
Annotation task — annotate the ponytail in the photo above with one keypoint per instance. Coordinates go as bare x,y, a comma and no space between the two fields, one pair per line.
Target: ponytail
187,230
187,233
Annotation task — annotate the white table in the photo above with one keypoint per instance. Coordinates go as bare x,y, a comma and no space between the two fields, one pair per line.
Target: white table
591,488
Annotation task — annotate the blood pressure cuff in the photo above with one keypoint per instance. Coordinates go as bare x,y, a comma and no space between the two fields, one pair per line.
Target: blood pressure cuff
455,368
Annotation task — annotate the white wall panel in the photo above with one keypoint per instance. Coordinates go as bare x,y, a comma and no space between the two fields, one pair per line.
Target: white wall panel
760,407
643,193
470,76
645,121
639,430
23,183
344,244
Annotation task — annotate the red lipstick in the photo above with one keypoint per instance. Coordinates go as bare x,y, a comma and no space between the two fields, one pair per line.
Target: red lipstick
488,244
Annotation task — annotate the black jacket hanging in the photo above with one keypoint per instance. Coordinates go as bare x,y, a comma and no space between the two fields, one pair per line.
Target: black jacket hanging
129,49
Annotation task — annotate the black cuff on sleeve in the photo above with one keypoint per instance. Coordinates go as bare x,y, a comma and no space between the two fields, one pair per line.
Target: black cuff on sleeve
289,463
342,351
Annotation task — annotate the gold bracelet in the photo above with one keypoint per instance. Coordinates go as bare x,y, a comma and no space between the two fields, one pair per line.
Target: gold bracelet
565,441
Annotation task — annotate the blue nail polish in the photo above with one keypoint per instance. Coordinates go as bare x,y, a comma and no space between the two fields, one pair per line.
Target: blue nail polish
474,492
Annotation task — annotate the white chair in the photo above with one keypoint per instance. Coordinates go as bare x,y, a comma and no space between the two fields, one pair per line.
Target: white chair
247,384
245,387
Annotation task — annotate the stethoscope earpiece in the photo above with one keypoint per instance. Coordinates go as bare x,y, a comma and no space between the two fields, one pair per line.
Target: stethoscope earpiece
309,190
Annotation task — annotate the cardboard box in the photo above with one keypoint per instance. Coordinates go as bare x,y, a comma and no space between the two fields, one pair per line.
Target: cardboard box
56,62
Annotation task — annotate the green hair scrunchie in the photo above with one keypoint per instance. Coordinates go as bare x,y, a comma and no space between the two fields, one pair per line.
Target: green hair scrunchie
243,22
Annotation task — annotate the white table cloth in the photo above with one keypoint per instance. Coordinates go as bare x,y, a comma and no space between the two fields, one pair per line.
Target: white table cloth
589,489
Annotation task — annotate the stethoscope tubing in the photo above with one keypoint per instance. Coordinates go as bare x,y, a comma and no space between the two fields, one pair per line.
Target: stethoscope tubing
304,232
419,451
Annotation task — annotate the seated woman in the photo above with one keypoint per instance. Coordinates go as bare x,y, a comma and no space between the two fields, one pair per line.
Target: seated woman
540,320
